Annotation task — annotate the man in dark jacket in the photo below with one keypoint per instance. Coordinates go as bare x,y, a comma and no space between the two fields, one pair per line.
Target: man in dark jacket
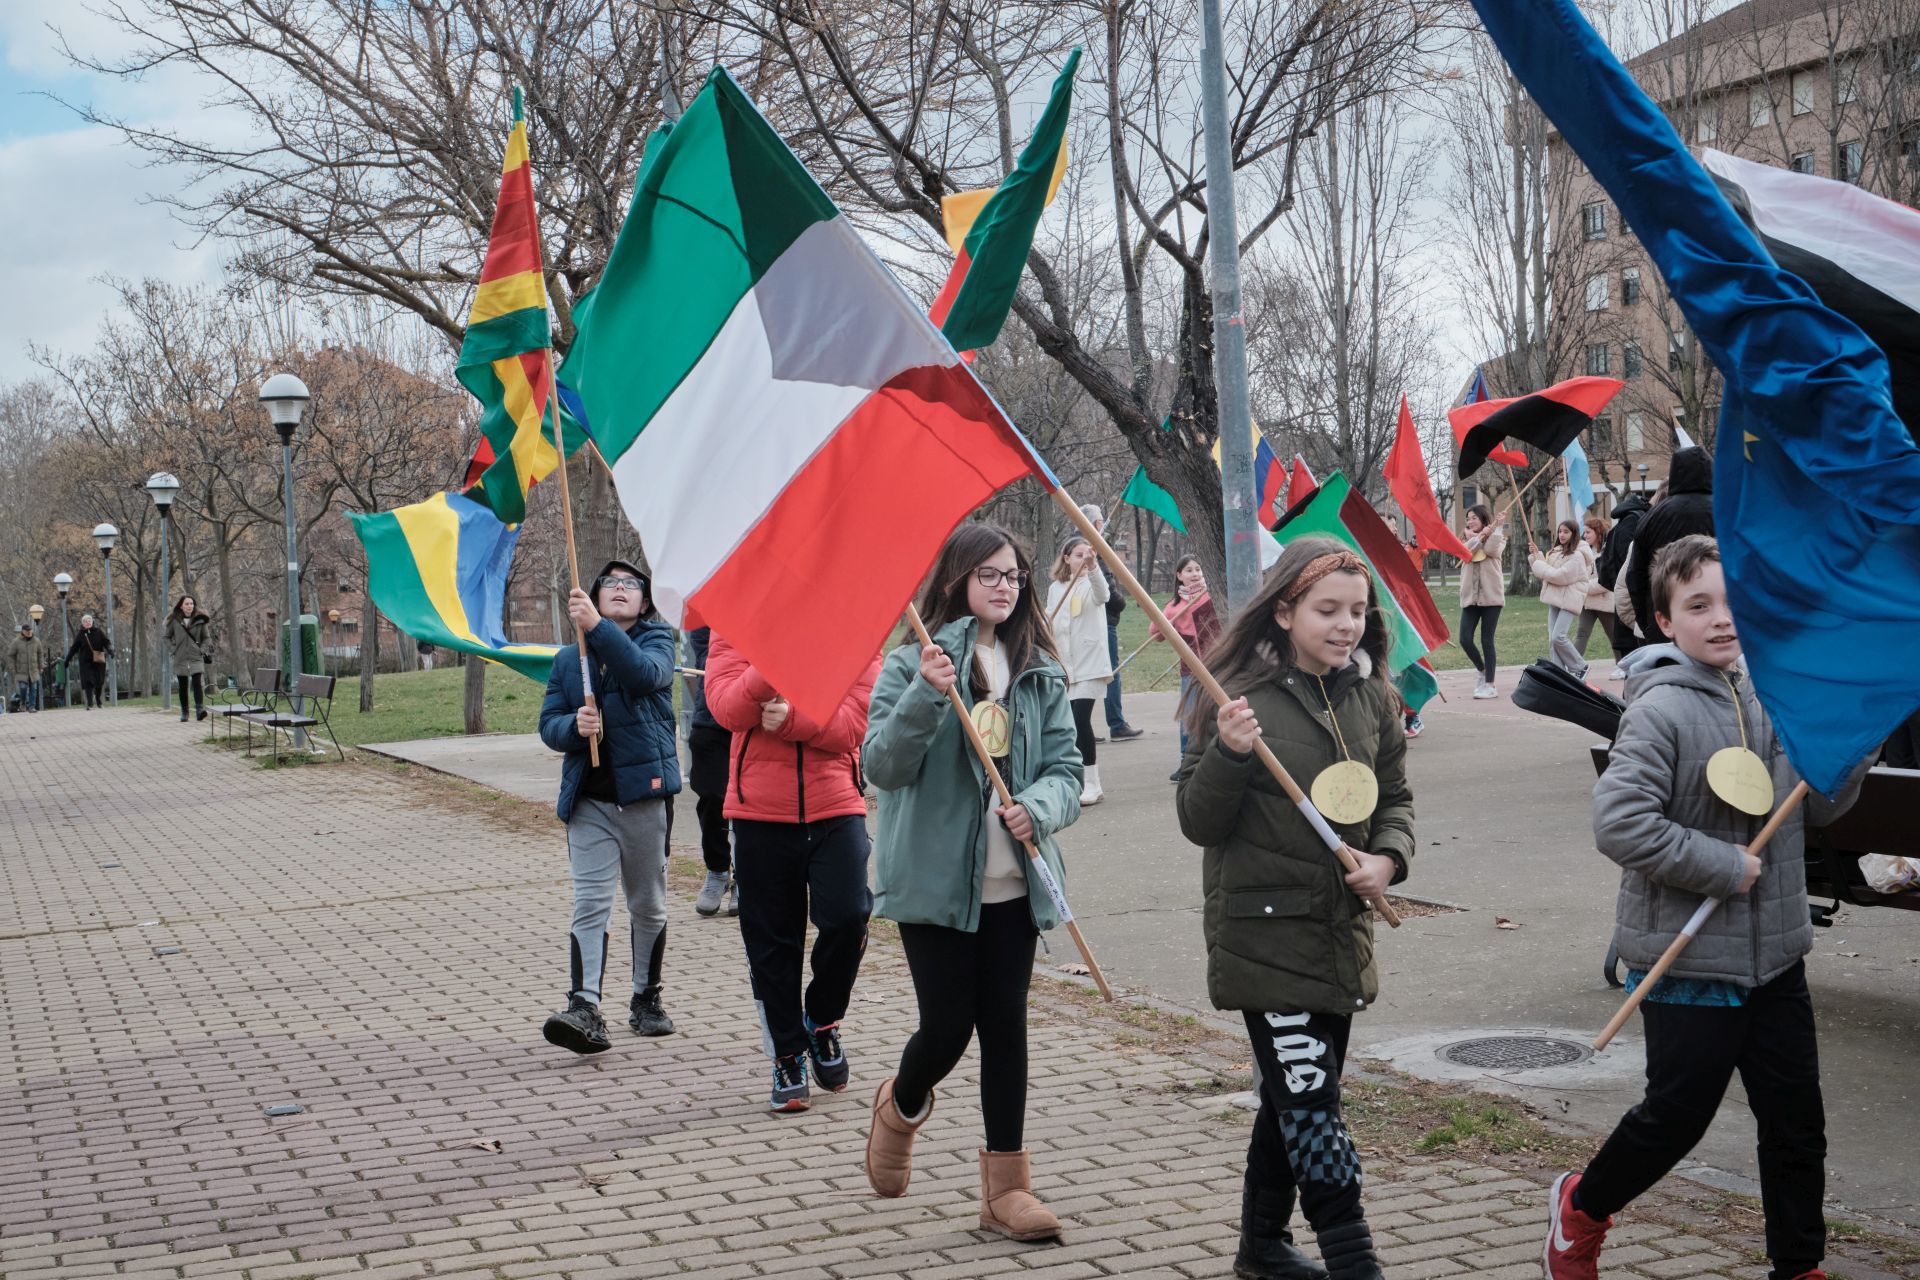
618,813
709,753
1687,508
1627,514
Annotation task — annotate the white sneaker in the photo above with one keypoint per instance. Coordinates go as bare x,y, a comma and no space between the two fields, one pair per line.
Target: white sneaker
1483,691
1617,674
1090,792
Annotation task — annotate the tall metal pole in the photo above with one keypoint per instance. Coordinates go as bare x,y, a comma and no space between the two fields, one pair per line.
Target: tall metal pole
66,661
1229,328
293,586
113,645
160,646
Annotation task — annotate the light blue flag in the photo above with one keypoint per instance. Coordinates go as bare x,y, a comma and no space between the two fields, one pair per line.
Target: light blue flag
1579,480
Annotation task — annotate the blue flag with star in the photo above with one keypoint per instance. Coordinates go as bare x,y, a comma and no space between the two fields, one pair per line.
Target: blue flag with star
1816,479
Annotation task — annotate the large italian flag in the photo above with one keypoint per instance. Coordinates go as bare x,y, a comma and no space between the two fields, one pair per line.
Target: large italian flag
790,435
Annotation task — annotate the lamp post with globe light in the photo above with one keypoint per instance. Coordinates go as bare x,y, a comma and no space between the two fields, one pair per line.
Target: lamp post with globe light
161,487
104,537
63,583
286,399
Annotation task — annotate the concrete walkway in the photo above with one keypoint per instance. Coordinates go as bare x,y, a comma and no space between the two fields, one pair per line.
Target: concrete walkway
283,1023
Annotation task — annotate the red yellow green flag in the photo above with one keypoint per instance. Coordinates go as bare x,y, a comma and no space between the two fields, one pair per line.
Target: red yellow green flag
504,358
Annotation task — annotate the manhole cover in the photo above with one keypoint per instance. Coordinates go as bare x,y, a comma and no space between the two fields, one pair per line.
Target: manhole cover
1515,1053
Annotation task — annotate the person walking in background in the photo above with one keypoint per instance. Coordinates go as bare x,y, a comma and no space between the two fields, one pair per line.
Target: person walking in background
90,652
950,868
1598,606
191,643
1686,508
1192,614
1289,937
1483,593
799,812
1627,514
1074,601
25,656
1564,573
618,813
1117,727
709,751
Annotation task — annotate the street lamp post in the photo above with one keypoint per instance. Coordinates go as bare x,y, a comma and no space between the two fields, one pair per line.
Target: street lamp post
63,583
37,687
161,487
286,399
104,536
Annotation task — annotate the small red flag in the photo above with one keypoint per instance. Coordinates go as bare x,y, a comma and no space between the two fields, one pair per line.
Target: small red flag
1412,487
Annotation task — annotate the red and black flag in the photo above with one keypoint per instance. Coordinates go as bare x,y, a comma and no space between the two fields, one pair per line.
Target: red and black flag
1549,420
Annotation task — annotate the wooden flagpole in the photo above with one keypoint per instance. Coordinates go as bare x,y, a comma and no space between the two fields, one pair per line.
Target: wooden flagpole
1520,491
1692,926
1219,695
1047,878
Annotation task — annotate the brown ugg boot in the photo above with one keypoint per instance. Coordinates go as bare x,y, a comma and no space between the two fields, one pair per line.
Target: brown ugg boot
1007,1202
890,1142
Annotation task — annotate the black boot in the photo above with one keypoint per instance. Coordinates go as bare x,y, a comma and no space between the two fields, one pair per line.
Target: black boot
1348,1250
1266,1241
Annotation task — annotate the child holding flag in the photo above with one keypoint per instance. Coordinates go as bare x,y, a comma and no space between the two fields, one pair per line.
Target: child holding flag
950,864
1076,612
1289,934
1671,811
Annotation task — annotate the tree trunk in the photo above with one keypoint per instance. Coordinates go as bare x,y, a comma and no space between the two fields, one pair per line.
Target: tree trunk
475,695
369,641
229,636
597,534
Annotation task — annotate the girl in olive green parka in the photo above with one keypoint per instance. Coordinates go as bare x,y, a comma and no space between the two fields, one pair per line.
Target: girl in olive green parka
1289,934
950,867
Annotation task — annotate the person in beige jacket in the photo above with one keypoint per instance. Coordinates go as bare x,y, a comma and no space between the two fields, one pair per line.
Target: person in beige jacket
1564,573
1483,593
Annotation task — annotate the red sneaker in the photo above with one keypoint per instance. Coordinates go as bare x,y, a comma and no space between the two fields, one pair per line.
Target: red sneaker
1572,1250
1815,1274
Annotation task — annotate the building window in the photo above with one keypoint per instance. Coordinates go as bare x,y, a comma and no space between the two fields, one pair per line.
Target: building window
1847,86
1593,220
1636,432
1629,359
1802,84
1629,286
1597,292
1601,439
1802,162
1852,158
1676,353
1596,359
1706,127
1759,106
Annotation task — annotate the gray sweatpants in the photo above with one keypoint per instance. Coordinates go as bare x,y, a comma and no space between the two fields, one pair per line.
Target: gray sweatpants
606,842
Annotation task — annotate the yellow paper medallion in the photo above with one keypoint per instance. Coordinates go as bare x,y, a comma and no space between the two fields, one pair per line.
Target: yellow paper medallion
1478,556
1074,605
1346,792
1742,779
990,720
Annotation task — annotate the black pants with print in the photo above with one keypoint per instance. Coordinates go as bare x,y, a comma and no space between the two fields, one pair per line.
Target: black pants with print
1692,1052
1299,1138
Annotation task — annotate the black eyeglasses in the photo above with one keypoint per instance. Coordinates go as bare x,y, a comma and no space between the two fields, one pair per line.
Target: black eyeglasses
622,584
991,577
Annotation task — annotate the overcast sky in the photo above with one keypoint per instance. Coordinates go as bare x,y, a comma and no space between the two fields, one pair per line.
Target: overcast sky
76,202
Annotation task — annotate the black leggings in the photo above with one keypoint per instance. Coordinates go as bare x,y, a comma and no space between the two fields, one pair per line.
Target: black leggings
199,699
1692,1054
93,681
968,982
1083,728
1487,618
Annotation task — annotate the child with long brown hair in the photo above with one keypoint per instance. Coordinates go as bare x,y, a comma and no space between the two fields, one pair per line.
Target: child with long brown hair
950,868
1564,572
1289,934
1076,613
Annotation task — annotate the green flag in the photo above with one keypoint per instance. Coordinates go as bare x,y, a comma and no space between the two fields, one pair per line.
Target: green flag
1148,496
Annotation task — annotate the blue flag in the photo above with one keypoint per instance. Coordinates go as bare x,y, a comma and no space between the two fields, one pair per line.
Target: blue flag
1816,479
1579,480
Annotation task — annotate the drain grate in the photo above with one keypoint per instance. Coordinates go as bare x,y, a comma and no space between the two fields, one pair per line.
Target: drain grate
1515,1053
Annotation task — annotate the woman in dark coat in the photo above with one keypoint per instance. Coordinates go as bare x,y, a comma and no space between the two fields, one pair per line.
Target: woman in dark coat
1687,508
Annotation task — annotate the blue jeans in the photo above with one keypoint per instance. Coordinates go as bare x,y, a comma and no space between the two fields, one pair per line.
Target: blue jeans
1116,719
29,695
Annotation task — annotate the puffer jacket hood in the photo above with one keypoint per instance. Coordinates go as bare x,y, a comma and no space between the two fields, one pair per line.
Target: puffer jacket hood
1691,471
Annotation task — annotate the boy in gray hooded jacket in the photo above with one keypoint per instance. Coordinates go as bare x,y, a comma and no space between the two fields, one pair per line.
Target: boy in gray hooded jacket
1736,999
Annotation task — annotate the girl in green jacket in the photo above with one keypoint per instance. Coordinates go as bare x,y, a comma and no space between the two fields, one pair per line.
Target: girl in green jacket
1289,934
950,867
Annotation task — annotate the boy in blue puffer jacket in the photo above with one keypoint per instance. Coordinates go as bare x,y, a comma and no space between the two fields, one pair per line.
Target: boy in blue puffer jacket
618,814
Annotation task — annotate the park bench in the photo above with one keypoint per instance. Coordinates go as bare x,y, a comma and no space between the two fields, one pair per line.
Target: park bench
255,698
308,705
1880,821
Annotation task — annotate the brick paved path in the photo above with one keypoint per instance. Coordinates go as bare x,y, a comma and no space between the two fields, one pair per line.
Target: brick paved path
380,948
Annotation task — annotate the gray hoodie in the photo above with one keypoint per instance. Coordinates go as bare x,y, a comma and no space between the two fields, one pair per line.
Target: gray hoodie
1676,841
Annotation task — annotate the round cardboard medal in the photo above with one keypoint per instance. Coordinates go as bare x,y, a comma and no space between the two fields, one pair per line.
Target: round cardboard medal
1741,778
990,720
1478,556
1346,792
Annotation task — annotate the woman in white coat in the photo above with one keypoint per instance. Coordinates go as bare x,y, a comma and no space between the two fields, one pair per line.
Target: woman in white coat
1564,574
1076,608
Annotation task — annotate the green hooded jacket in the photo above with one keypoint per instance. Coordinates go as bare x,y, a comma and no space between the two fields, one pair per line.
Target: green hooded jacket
1284,933
930,854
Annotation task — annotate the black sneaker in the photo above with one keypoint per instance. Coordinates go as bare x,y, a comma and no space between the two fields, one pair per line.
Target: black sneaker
647,1017
1124,732
789,1084
829,1060
200,714
578,1027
